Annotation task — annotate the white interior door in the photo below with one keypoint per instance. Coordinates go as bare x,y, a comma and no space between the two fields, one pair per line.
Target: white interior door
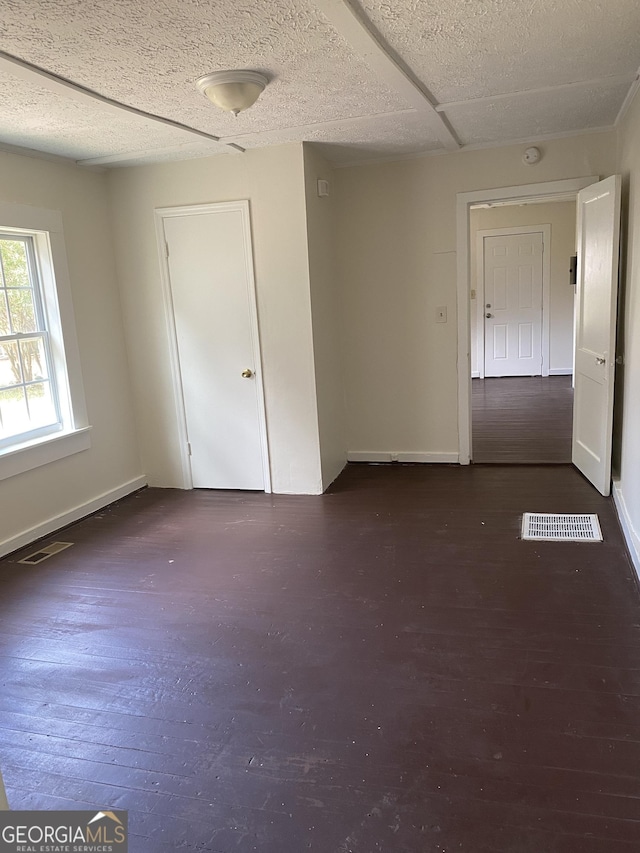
212,290
513,305
598,232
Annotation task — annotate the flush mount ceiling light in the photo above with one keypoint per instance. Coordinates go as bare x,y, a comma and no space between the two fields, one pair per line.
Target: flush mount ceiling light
233,91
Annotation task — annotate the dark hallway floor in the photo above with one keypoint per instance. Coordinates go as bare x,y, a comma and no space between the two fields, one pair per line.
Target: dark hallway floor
522,419
387,667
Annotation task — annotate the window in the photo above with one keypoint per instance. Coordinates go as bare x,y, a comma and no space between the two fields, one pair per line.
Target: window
28,396
42,411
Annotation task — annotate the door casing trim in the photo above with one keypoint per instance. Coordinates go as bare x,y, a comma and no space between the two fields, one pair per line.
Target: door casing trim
160,215
464,201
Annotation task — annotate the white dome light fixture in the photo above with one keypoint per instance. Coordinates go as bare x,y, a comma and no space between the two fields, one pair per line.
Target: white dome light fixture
233,91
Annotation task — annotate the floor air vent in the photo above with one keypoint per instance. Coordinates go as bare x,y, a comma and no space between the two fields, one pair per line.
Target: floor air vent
561,528
45,553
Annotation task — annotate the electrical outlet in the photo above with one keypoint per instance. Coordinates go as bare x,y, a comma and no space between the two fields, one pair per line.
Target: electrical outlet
441,314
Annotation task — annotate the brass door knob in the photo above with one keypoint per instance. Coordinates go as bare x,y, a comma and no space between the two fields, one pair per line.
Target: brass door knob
247,374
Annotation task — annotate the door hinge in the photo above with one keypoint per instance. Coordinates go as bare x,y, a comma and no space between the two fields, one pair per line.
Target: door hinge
189,448
166,248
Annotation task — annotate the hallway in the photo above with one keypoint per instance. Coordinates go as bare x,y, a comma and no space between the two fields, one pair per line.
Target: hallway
522,419
387,667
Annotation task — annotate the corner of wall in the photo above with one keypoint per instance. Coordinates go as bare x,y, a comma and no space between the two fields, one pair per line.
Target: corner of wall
631,536
325,314
627,439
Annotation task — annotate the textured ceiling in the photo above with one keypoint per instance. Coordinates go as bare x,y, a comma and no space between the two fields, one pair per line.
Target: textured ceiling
532,114
33,117
495,70
474,48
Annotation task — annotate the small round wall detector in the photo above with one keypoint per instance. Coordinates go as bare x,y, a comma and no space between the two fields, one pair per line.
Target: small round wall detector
531,155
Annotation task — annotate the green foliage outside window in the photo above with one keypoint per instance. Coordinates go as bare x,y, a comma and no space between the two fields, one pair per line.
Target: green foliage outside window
17,312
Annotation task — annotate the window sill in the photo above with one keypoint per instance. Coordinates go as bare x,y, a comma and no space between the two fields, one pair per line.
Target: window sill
41,451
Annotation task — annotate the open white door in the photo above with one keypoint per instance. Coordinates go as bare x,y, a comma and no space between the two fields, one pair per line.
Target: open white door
598,232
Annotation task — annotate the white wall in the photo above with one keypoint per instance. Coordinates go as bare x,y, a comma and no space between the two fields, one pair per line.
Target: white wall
395,258
273,181
326,316
627,402
43,499
561,217
396,253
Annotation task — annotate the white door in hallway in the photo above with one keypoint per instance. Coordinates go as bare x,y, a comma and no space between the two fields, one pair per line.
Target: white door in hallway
513,305
212,290
598,231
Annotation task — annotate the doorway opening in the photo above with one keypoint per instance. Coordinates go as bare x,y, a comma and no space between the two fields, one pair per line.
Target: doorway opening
522,330
501,403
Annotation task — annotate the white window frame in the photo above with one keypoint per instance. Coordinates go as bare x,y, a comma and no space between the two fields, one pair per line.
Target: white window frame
34,250
45,226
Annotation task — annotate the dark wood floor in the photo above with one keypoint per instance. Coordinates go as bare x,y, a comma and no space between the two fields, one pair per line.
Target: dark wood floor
384,668
522,419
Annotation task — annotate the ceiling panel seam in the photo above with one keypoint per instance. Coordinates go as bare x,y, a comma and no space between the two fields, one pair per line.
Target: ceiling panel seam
263,136
124,156
633,90
27,71
351,23
544,90
37,154
336,122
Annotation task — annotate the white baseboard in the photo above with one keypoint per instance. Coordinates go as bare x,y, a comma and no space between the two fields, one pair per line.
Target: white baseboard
380,456
65,518
631,536
367,456
553,371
